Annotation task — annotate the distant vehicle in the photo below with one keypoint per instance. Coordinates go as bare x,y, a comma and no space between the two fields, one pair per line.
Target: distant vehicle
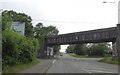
61,54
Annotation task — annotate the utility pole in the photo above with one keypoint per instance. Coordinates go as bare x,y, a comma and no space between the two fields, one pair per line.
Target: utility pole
118,29
119,12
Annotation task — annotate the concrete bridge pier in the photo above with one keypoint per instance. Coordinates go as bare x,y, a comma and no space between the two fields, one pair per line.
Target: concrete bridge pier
49,51
118,39
43,52
114,50
116,44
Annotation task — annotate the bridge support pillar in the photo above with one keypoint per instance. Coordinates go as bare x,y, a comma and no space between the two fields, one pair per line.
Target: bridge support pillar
49,51
118,39
118,45
114,50
43,52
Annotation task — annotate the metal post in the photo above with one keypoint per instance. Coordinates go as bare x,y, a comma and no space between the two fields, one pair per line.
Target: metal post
119,12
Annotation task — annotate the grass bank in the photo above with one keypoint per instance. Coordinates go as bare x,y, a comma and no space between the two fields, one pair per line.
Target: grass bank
110,60
81,56
105,59
20,67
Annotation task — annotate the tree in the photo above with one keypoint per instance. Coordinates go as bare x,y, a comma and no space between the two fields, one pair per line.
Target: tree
98,49
6,20
56,49
9,16
79,49
70,49
38,30
51,30
17,49
41,32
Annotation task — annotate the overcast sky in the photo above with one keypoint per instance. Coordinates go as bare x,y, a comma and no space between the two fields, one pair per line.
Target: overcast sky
67,15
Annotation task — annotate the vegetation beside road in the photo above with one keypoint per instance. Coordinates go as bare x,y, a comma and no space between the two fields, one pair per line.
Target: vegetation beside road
105,59
17,49
20,67
22,50
110,60
97,49
83,56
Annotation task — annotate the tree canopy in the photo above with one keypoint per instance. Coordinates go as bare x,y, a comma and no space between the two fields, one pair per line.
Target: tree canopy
11,16
41,31
97,49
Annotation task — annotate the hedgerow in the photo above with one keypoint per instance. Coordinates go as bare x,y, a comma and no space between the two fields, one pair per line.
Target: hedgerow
17,49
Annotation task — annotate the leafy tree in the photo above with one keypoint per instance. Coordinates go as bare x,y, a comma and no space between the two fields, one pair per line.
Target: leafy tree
56,49
8,16
38,30
70,49
41,32
98,49
6,20
17,49
79,49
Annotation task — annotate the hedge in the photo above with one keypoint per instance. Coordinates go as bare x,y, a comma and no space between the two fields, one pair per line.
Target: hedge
17,49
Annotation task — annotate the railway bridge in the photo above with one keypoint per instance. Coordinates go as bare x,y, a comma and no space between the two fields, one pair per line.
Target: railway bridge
93,36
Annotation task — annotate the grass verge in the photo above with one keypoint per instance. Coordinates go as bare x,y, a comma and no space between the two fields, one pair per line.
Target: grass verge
20,67
79,56
110,60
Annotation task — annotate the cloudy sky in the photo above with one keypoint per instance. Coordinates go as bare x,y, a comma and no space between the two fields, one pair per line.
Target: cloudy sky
67,15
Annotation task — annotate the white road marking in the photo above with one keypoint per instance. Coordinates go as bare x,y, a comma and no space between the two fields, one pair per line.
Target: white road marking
100,71
86,70
54,61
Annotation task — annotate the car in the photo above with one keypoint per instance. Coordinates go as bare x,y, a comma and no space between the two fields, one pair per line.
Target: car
61,54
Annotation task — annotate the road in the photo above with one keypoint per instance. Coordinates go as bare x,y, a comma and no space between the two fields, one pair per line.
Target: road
69,64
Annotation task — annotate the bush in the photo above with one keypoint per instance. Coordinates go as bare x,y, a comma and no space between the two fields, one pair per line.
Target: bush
79,49
28,50
17,49
96,50
10,41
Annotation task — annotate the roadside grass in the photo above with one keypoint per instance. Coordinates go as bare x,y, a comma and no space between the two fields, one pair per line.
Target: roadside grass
20,67
83,56
106,59
110,60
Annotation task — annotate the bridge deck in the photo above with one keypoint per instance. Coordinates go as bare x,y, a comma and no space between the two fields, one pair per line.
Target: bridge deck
92,36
